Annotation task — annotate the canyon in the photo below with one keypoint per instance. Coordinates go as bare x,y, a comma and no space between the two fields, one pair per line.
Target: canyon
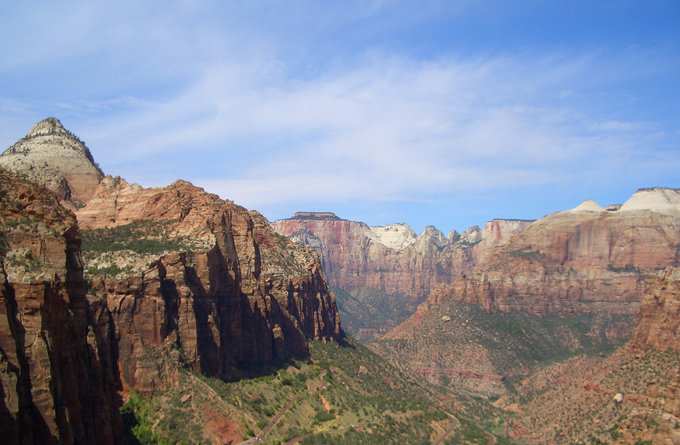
558,330
380,274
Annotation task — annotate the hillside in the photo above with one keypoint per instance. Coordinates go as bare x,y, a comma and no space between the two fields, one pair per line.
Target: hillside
582,260
343,394
629,397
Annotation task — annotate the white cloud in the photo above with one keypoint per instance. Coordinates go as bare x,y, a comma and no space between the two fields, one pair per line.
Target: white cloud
234,96
387,130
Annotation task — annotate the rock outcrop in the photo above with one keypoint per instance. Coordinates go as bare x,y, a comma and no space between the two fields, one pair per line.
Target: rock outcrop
582,260
382,273
658,321
239,294
57,379
52,156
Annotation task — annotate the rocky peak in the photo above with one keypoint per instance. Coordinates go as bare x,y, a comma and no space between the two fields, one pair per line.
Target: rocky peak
498,231
588,206
395,236
432,236
49,126
453,237
658,199
54,157
472,235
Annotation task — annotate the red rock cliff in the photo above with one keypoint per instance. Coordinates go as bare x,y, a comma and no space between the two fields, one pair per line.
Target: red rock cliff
240,294
392,259
575,261
658,321
56,380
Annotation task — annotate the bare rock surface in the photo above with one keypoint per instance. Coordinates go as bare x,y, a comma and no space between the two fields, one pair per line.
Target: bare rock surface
226,290
658,321
176,276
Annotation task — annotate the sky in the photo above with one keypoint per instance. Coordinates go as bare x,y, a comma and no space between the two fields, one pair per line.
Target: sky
445,113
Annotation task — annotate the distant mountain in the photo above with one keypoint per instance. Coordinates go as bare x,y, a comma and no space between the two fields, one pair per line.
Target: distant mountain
583,260
567,285
382,273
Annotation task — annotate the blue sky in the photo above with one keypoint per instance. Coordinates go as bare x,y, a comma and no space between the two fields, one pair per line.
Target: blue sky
448,113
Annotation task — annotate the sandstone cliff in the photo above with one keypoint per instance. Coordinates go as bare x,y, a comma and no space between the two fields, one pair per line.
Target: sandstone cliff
222,292
57,381
586,259
380,273
392,259
631,396
55,158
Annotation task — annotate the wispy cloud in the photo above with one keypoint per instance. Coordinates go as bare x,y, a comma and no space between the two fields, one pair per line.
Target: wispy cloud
256,102
387,130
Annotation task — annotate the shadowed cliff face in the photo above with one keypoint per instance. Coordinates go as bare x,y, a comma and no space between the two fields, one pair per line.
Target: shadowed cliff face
57,382
384,272
242,296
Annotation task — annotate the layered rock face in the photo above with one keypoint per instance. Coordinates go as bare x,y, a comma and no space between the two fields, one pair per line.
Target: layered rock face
658,321
238,293
634,393
392,259
658,327
586,259
51,156
57,380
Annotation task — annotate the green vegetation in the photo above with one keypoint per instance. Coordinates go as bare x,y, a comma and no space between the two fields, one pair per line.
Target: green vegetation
507,342
343,394
152,237
367,313
626,269
527,253
137,413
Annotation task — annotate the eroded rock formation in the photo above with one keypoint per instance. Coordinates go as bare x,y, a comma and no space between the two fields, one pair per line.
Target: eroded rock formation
242,295
658,321
392,259
57,380
176,276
